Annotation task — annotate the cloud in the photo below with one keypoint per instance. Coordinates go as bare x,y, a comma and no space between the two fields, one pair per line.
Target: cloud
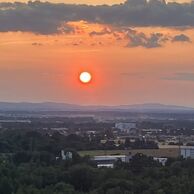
49,18
181,38
153,40
36,17
37,44
104,31
137,39
185,76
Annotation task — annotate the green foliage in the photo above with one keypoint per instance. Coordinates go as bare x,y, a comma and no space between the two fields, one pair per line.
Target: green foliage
82,177
28,165
6,186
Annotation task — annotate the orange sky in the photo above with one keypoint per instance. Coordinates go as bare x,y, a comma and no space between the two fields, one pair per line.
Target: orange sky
36,67
49,71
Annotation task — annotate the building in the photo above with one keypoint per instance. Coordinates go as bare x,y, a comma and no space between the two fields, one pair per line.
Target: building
126,127
109,160
161,160
187,152
61,130
66,155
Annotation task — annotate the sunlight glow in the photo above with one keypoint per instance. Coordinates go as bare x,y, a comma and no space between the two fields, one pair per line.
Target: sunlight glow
85,77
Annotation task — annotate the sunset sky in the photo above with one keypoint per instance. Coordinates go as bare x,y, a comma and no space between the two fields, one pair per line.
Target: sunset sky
136,51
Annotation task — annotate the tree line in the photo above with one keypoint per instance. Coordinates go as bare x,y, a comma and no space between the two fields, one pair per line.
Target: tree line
29,166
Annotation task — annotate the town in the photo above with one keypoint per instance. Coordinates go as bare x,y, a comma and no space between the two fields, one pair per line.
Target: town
106,136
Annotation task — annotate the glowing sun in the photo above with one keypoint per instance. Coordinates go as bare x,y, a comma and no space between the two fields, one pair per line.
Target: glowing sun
85,77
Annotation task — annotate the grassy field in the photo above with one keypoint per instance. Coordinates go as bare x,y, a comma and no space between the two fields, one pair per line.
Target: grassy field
162,152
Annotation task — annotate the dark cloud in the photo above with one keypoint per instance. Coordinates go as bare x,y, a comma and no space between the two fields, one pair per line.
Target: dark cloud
36,17
181,38
48,18
153,40
37,44
185,76
137,39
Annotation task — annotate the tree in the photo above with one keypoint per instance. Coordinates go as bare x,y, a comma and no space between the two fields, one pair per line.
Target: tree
118,190
141,161
5,186
82,177
116,185
62,188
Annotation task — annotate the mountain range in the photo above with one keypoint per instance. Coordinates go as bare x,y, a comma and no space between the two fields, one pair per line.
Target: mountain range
53,106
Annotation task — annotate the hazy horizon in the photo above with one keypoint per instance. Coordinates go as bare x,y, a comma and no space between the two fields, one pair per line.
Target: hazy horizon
97,105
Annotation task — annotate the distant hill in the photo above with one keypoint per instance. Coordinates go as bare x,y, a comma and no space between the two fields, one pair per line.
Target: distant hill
44,106
52,106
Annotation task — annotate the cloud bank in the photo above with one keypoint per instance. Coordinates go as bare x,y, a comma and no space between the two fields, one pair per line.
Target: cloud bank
186,76
49,18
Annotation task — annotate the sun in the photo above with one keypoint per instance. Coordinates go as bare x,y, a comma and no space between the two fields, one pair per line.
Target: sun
85,77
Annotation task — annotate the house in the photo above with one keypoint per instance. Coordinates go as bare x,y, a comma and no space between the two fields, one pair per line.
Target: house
187,152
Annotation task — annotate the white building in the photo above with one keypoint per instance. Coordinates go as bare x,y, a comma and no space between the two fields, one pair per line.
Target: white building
108,161
187,152
161,160
125,127
66,156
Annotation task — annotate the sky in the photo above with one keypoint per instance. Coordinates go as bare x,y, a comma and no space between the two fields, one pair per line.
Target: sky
137,51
